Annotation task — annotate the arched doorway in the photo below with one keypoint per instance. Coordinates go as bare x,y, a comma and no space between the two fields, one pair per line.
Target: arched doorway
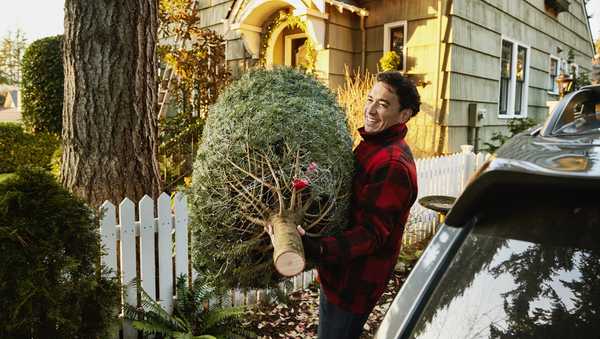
287,43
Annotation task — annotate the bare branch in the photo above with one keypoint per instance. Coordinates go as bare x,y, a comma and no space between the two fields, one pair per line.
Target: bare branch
278,187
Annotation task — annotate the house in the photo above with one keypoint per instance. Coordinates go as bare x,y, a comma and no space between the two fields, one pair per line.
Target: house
11,98
478,63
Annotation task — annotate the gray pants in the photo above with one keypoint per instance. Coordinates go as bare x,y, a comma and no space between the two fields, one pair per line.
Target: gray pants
336,323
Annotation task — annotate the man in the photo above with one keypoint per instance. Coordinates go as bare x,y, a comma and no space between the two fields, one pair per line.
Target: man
355,266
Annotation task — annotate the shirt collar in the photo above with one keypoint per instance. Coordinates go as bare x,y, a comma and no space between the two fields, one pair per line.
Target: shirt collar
397,131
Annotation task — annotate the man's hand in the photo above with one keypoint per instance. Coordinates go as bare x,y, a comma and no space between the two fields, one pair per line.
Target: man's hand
312,246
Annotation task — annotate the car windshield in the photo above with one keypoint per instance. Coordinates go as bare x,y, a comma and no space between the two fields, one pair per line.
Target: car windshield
581,115
523,272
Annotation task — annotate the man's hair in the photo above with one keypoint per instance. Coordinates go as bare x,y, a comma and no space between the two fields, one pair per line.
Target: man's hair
405,90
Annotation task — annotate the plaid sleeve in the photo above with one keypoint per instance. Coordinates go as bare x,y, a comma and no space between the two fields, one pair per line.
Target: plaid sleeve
384,198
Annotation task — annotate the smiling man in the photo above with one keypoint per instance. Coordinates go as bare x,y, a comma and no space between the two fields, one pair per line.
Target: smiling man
355,266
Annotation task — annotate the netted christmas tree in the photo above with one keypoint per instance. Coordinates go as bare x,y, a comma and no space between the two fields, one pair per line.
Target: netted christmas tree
275,150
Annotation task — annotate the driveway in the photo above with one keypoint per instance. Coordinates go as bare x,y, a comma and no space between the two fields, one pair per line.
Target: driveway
9,115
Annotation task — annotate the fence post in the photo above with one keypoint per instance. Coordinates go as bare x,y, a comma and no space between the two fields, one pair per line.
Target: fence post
468,164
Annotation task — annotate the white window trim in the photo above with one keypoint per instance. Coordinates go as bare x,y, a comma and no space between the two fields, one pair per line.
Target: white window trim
550,85
510,111
288,46
387,28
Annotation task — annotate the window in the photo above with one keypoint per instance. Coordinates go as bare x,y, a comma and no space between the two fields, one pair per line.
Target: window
394,39
514,79
553,73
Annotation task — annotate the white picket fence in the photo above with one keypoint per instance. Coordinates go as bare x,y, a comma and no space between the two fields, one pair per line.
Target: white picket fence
443,175
164,239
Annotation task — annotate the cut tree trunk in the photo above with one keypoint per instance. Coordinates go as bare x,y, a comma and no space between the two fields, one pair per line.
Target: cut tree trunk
288,252
109,115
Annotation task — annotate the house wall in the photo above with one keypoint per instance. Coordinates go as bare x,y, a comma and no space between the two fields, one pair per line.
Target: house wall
425,30
478,27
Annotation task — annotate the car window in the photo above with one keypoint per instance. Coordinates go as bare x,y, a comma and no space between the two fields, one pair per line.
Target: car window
581,115
522,272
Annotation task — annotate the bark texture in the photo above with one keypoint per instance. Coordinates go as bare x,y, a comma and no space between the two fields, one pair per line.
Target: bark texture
109,115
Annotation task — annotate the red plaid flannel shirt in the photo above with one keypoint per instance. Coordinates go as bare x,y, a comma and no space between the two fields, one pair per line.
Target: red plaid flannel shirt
356,264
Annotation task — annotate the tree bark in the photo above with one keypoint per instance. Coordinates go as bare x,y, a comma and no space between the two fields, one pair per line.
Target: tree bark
109,116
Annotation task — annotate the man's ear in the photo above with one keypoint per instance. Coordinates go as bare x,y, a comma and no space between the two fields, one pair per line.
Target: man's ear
405,115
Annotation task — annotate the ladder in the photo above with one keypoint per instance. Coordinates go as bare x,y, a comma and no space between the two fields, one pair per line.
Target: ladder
168,77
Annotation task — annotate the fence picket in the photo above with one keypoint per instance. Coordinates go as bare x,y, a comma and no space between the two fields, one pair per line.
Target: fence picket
128,260
108,236
147,270
165,258
181,235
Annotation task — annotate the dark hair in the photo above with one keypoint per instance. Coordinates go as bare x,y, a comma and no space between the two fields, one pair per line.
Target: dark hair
405,90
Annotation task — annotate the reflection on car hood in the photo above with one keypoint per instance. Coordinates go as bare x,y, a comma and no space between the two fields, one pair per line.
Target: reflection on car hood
569,155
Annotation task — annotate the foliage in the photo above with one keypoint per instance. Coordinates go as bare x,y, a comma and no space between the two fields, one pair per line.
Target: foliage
18,148
198,61
351,97
515,126
11,51
191,318
268,130
51,285
390,61
581,79
42,85
287,18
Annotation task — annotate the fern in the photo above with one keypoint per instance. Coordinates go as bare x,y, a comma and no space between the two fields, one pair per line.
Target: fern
190,318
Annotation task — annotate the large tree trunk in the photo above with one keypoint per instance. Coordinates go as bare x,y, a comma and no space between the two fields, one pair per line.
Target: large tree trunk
109,116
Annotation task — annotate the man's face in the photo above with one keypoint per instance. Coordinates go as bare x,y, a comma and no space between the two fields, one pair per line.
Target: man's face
382,109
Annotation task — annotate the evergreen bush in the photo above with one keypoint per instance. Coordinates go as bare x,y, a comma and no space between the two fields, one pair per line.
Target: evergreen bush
18,148
42,85
51,284
274,145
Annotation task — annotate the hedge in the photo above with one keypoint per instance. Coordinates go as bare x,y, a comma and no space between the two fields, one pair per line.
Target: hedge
42,85
51,282
18,148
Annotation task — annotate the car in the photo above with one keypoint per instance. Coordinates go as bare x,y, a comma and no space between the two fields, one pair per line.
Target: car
518,254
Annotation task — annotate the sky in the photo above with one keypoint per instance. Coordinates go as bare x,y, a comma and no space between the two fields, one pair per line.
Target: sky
42,18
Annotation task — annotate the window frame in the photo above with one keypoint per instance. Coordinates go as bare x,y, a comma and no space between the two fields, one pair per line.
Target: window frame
510,111
553,88
387,32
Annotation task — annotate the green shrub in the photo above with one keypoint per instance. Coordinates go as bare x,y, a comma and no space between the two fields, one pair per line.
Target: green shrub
42,85
51,285
18,148
515,126
274,145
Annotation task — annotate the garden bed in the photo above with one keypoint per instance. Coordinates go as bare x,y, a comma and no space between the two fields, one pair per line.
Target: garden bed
299,318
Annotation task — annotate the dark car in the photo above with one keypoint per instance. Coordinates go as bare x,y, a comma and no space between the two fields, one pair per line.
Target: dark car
518,255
